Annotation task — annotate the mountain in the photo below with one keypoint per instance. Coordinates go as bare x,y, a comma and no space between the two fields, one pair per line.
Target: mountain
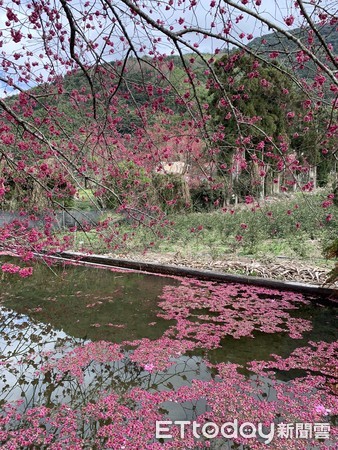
142,84
279,42
288,50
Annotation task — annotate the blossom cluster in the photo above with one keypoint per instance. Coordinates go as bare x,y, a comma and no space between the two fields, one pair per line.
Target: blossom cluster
22,271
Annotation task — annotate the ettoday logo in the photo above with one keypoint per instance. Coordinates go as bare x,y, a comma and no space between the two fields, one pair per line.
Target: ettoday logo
246,430
210,430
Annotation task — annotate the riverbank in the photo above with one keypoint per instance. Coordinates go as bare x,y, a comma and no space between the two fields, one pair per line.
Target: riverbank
275,268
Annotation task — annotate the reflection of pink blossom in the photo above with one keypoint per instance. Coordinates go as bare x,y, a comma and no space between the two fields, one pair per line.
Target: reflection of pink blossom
76,361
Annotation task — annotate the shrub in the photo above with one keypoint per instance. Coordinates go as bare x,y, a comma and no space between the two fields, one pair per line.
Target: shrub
204,197
131,185
172,192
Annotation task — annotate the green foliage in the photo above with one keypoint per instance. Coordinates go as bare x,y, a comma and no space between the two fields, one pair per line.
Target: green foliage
203,197
172,191
308,145
128,183
84,200
18,190
244,185
25,192
251,102
288,227
249,97
288,48
332,252
335,192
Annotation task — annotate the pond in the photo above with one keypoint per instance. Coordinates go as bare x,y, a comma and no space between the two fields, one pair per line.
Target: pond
94,358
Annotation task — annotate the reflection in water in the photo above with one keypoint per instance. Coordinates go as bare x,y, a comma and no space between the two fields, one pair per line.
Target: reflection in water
94,304
44,318
89,303
26,347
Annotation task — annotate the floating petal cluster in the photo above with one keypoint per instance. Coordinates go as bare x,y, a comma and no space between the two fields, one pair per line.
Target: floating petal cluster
206,312
113,394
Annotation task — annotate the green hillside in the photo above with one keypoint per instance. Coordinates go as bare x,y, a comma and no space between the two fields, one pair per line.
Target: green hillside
161,87
288,49
279,42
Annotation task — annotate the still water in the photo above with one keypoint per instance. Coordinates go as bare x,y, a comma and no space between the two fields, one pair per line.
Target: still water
61,308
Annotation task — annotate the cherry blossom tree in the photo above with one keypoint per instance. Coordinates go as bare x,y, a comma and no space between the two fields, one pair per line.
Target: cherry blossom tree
90,88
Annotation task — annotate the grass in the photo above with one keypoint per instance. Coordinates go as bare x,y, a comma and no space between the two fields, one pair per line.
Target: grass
84,200
293,226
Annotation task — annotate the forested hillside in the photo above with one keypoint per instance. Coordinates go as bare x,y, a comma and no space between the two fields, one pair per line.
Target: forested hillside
139,81
279,42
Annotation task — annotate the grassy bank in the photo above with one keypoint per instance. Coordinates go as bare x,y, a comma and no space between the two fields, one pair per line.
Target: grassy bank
296,226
